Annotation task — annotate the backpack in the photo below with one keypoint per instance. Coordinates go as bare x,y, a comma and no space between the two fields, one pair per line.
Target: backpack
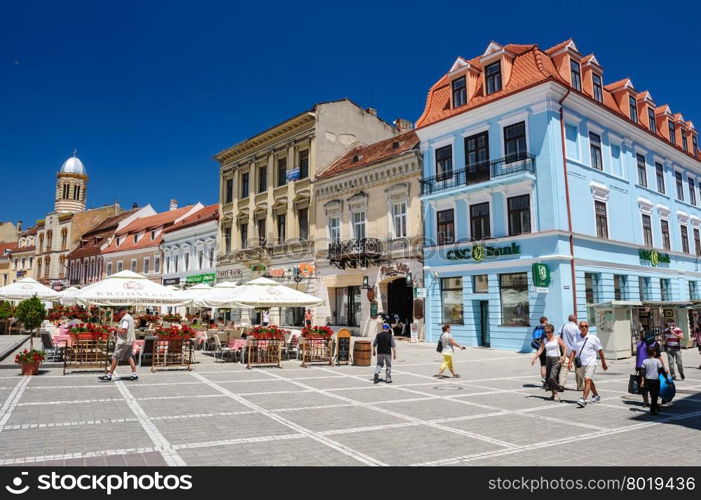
537,337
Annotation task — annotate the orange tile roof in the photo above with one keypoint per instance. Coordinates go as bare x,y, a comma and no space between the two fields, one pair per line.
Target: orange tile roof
373,153
144,224
205,214
25,249
7,246
531,66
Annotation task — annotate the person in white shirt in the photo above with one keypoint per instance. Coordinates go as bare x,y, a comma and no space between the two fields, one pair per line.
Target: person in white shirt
124,345
586,349
569,333
266,317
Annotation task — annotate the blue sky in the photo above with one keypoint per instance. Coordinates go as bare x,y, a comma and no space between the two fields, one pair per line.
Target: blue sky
149,91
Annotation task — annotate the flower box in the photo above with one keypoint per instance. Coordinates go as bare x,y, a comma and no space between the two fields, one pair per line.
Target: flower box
30,361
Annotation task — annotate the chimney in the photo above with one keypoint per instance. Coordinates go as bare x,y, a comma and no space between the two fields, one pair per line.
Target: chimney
372,111
403,125
173,204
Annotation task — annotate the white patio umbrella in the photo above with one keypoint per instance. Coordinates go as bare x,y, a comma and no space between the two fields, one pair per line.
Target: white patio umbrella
219,296
263,292
26,288
127,288
197,291
68,296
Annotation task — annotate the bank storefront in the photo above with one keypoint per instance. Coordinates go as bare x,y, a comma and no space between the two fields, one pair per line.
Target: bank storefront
493,292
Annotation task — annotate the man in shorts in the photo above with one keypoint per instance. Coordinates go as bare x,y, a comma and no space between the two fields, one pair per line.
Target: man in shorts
124,345
586,348
386,349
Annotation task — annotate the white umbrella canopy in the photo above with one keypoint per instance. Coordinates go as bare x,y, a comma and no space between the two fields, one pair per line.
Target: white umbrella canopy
219,296
26,288
263,292
128,288
197,291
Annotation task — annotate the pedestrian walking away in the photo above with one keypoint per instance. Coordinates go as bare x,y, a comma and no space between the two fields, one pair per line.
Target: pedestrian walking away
569,333
447,347
641,354
652,368
385,349
554,349
584,357
123,346
673,346
536,341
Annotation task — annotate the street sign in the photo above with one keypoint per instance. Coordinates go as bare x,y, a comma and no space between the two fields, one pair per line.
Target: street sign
421,293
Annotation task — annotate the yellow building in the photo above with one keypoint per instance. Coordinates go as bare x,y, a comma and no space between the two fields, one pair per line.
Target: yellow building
266,197
369,236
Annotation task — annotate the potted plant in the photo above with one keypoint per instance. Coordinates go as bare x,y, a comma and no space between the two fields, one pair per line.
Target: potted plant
271,332
30,361
174,333
31,313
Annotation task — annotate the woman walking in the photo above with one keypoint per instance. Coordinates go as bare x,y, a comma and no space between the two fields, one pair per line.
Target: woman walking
652,367
640,356
554,348
447,343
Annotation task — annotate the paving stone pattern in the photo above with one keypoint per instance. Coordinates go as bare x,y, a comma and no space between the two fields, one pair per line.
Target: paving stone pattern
223,414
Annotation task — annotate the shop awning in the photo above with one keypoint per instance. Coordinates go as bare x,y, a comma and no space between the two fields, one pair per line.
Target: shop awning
617,303
667,303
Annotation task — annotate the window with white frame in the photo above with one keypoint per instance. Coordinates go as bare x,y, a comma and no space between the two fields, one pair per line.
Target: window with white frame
169,268
602,230
647,230
133,265
157,264
399,219
642,172
359,225
120,266
146,265
109,268
335,229
595,150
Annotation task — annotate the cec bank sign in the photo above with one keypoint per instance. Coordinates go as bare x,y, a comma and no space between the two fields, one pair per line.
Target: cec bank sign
478,253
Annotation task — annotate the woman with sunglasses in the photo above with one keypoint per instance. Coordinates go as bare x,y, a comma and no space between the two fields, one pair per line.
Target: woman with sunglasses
554,349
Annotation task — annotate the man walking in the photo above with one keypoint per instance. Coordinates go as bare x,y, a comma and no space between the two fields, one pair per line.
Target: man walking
585,351
569,333
673,337
123,346
384,347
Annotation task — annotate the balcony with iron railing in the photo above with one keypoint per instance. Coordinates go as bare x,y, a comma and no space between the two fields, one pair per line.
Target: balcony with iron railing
479,173
359,252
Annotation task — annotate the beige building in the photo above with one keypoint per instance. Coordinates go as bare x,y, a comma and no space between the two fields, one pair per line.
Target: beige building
369,236
267,215
8,232
23,256
60,231
7,271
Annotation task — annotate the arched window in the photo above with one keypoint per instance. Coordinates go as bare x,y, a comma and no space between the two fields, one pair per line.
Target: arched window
47,265
64,238
49,237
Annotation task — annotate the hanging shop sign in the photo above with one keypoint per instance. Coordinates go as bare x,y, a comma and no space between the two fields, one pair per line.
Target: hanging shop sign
480,252
654,257
394,269
171,281
373,309
201,278
541,275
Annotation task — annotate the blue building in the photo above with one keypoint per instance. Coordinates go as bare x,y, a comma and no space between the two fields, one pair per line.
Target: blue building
545,192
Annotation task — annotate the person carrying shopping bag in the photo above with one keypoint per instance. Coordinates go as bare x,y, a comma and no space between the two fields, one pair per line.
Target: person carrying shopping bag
447,344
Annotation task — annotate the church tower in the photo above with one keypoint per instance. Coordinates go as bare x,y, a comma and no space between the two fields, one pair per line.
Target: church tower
71,186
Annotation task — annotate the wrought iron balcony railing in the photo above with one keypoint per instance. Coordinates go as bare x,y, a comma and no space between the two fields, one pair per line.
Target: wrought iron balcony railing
353,253
479,173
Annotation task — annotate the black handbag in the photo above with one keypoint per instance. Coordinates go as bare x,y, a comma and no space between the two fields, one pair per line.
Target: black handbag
439,347
633,384
577,360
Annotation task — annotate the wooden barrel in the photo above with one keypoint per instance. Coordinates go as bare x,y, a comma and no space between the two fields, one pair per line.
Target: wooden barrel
362,352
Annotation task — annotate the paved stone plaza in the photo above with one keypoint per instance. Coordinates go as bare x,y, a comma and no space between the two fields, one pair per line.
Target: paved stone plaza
223,414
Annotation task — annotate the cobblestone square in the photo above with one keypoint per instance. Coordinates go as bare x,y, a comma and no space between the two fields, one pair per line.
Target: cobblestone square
223,414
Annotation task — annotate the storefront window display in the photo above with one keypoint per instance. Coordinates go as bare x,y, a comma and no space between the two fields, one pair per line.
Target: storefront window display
513,289
451,300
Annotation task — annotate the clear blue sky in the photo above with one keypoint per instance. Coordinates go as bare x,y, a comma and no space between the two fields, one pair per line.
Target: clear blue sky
149,91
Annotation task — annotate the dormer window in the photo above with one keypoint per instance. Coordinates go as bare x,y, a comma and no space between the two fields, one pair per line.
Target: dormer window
493,77
685,145
672,137
459,92
153,235
598,88
651,120
136,238
576,74
633,109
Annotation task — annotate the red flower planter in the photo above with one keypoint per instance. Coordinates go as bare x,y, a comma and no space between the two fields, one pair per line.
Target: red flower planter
30,368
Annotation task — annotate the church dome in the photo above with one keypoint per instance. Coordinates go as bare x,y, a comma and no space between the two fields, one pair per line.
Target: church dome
73,166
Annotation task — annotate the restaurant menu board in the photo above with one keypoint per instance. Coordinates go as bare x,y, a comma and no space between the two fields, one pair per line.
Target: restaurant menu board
343,346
